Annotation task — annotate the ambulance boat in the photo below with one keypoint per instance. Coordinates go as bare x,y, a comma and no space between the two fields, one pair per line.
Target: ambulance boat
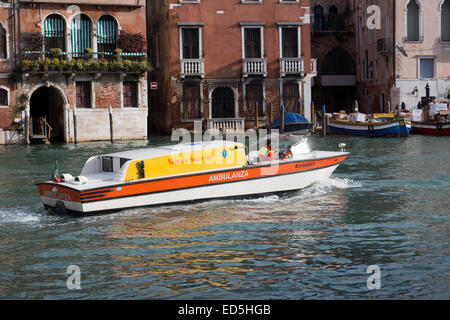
185,172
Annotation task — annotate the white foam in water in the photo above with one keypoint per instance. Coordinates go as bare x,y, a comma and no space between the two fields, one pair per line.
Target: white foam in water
324,187
18,215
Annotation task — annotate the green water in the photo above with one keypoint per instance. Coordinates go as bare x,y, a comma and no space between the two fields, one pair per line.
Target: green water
387,205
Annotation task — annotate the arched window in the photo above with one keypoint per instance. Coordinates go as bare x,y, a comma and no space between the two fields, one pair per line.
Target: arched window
54,32
318,19
445,21
3,43
81,31
333,19
412,21
333,10
3,97
106,34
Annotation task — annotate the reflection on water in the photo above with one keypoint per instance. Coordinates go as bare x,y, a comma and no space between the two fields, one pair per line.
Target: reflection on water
386,205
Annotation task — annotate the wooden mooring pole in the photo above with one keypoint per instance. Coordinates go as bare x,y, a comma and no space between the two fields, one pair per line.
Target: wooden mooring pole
270,117
256,116
282,120
111,129
75,132
324,121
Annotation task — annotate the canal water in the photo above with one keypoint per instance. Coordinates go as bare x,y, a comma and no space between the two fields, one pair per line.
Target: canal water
387,205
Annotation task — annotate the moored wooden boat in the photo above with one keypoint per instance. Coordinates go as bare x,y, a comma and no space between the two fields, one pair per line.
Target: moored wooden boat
433,128
378,127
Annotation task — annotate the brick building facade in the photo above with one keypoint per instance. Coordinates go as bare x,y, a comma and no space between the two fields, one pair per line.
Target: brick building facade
220,61
76,59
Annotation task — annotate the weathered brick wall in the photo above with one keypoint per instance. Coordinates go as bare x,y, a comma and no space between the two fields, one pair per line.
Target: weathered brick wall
107,92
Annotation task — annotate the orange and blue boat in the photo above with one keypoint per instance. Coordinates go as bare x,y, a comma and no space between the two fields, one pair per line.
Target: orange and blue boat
379,125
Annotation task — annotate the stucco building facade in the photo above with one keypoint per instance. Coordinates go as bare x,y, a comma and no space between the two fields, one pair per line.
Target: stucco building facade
422,53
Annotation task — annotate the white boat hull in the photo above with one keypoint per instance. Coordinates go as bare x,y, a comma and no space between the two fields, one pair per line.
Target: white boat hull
264,185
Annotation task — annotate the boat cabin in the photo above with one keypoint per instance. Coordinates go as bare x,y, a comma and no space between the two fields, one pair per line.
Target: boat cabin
164,161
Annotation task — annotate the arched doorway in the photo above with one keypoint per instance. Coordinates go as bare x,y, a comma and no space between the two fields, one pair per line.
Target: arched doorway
47,103
223,103
338,80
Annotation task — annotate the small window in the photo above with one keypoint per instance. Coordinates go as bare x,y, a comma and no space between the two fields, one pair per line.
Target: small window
445,21
123,161
252,43
83,94
412,21
3,97
290,42
107,164
427,68
3,43
130,94
191,43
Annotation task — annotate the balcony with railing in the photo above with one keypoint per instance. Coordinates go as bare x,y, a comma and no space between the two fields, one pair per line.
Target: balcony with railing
226,124
79,62
292,66
254,67
192,68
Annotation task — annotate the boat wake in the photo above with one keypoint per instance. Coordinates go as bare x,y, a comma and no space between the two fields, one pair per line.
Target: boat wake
316,191
21,215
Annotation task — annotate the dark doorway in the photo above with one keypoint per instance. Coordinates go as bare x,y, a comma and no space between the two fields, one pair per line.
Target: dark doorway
335,94
223,103
47,103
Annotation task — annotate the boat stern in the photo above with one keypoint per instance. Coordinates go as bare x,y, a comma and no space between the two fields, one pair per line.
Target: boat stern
59,196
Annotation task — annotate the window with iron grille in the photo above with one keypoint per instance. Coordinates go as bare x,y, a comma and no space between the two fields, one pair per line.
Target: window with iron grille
191,101
54,32
3,97
254,96
252,43
130,94
191,43
290,42
83,94
291,97
3,43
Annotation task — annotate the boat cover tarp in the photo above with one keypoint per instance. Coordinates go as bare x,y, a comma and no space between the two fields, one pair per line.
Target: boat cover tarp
290,118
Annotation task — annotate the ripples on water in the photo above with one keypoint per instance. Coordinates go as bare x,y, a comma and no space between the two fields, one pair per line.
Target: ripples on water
386,205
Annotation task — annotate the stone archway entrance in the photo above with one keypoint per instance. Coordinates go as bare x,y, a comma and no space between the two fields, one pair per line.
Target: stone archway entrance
47,103
223,103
